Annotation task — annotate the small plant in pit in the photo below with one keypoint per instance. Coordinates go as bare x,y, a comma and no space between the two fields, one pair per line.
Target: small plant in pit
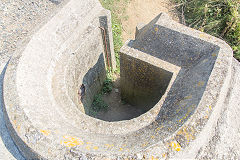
123,101
98,105
98,102
108,83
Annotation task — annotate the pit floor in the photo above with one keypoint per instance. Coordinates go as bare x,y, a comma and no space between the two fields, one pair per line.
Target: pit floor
117,110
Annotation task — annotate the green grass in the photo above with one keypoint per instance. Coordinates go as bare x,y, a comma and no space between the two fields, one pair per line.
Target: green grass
117,8
98,102
108,84
220,18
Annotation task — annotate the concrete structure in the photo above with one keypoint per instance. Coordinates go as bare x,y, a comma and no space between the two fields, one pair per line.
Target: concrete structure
185,79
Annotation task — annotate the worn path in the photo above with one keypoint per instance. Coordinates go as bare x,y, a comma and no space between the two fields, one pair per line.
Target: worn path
143,11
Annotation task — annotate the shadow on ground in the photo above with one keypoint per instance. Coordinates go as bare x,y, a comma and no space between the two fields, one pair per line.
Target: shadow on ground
5,136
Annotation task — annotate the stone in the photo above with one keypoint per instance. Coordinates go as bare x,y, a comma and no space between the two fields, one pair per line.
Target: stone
193,102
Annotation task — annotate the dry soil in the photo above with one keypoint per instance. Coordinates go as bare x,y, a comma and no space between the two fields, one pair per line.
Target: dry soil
143,11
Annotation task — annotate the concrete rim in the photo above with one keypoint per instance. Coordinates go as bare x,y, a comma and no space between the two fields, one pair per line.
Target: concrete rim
12,103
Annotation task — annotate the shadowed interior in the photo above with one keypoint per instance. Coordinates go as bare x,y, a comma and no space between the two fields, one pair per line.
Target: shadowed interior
142,84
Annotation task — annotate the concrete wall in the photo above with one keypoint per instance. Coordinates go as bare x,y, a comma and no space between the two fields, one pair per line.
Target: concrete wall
42,79
93,81
142,84
46,75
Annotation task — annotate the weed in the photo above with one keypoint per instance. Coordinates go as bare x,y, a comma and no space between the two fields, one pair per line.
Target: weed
107,86
92,112
117,8
98,105
123,102
98,102
220,18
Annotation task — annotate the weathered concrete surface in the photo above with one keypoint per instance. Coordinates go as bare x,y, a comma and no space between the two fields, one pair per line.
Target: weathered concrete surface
45,120
205,61
8,149
142,84
43,78
224,141
18,20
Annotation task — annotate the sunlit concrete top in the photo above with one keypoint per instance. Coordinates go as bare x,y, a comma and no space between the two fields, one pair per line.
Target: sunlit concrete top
41,80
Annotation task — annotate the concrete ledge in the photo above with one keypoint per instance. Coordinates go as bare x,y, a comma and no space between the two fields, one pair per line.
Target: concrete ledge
47,120
198,90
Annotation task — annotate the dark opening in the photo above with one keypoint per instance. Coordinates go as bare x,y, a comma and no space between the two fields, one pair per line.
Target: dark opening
142,84
137,89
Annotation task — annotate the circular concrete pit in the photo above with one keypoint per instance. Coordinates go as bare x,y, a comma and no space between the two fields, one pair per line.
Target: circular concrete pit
136,94
169,71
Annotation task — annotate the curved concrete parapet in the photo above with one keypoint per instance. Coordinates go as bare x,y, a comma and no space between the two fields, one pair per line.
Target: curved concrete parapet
193,104
47,119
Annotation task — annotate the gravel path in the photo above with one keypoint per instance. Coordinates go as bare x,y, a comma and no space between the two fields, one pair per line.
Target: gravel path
18,20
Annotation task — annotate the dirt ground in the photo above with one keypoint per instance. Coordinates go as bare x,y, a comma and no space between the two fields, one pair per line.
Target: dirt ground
118,110
137,11
143,11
